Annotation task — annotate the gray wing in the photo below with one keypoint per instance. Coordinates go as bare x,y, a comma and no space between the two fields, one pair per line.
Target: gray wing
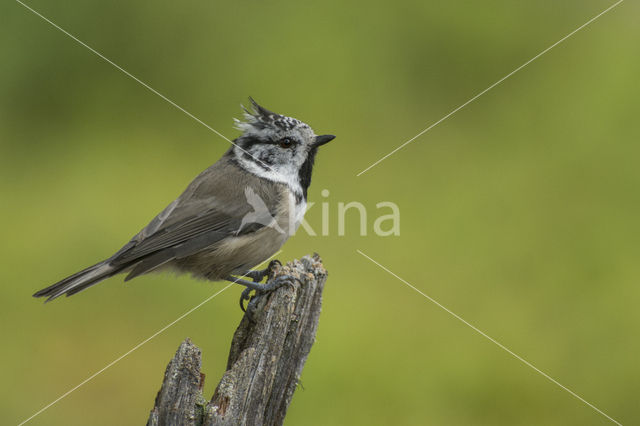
207,212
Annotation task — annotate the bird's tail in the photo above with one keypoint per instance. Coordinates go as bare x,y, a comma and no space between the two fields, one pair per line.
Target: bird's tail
79,281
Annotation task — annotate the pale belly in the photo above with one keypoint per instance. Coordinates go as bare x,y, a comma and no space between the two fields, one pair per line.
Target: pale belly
236,255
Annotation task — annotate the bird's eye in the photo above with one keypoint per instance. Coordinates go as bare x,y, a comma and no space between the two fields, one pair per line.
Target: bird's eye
285,143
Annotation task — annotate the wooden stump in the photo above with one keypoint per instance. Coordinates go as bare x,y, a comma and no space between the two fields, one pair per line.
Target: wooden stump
268,352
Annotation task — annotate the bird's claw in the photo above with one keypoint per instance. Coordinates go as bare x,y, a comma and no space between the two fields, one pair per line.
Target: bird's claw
279,282
266,288
246,295
260,274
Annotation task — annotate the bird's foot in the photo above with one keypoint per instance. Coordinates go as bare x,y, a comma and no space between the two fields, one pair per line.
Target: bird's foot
259,274
278,282
246,295
260,289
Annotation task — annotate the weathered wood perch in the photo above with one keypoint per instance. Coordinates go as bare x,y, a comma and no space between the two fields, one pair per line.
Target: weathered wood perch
268,352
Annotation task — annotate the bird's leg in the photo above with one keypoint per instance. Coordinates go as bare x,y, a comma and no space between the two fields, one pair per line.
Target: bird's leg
259,274
260,288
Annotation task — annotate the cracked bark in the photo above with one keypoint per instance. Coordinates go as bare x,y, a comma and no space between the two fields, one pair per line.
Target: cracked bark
268,351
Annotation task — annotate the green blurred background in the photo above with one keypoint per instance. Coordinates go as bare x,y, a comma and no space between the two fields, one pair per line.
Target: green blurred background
519,213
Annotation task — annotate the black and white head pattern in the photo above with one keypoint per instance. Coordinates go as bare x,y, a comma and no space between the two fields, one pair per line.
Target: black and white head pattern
276,147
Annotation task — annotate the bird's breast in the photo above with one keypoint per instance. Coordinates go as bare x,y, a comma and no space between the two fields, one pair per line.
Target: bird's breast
293,213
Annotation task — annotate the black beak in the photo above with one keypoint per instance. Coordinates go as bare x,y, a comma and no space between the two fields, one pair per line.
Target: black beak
322,139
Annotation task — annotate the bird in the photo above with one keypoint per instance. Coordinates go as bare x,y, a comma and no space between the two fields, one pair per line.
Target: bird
233,216
261,214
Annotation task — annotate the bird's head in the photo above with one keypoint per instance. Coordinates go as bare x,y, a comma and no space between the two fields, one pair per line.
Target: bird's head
277,147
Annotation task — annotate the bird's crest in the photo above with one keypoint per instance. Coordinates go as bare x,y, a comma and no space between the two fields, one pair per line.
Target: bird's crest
259,118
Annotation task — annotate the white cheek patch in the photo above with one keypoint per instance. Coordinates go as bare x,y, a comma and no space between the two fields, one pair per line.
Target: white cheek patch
285,173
